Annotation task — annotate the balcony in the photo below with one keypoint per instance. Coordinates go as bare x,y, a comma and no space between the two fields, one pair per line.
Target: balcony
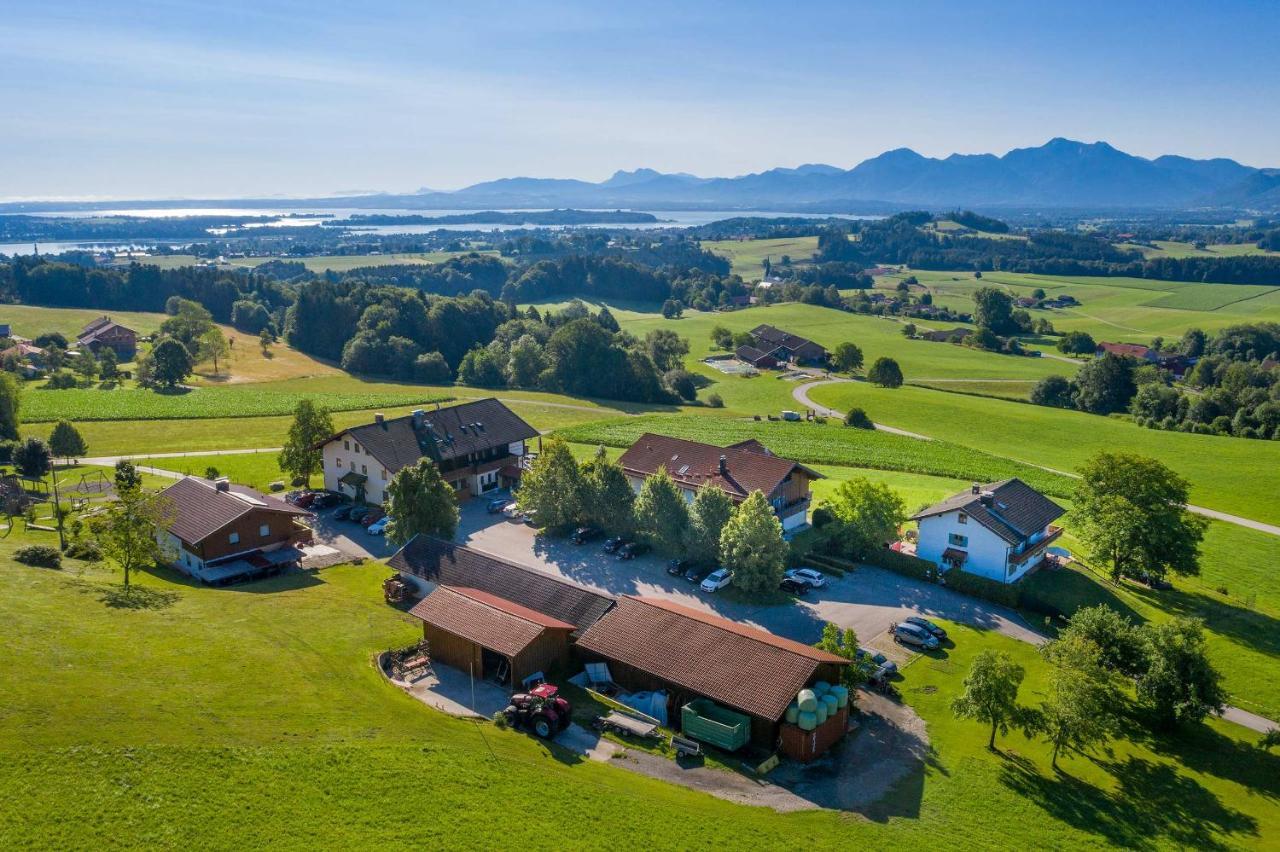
1032,550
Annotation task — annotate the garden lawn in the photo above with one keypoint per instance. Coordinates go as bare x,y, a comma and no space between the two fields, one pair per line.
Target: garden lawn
1235,475
747,256
253,716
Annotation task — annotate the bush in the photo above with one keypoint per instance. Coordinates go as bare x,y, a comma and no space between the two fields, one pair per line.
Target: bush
211,472
6,451
901,563
715,400
1006,594
858,419
278,485
61,381
500,719
89,551
40,555
298,481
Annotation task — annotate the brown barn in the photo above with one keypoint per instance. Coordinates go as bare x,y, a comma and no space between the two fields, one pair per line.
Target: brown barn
756,358
653,644
222,533
105,331
490,636
737,470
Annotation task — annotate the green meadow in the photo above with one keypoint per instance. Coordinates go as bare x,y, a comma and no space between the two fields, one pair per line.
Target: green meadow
747,256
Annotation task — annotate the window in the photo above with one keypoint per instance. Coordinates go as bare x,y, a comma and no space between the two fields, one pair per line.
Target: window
962,518
357,448
958,540
234,538
264,530
338,462
364,468
346,445
384,474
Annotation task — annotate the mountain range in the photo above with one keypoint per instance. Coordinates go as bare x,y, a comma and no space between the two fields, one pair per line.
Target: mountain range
1062,173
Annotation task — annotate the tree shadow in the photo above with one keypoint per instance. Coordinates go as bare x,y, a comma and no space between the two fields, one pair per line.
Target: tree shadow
176,390
1251,628
1203,749
1152,804
137,597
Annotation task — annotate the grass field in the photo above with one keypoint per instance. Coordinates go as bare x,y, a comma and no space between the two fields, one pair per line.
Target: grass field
747,256
1230,474
207,718
1170,248
31,321
321,263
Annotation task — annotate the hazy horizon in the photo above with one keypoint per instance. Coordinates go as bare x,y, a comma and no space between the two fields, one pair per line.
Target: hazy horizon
173,100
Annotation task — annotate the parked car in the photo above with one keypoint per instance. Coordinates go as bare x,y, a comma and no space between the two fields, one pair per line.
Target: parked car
905,633
613,545
341,513
305,500
357,513
876,658
373,515
498,504
677,567
790,586
696,573
927,625
582,535
807,576
632,549
716,580
792,416
511,512
326,499
379,526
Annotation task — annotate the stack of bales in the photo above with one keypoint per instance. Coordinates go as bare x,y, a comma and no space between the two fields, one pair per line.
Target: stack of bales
813,707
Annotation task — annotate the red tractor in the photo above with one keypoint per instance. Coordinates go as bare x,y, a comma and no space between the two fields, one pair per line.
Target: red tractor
541,710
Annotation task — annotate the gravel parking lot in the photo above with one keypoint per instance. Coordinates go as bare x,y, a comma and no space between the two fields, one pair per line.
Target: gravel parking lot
868,600
349,537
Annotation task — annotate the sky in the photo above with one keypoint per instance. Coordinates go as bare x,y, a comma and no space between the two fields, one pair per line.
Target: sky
231,99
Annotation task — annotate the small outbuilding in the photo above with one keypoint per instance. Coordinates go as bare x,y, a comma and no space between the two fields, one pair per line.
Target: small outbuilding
756,358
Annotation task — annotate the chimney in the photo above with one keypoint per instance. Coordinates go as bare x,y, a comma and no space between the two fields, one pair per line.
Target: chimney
379,419
222,483
418,416
724,466
987,497
977,489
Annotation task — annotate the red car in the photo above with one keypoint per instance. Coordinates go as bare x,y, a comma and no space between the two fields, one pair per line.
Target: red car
371,516
304,501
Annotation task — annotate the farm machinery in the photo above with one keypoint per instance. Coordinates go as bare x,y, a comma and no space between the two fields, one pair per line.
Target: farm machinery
540,710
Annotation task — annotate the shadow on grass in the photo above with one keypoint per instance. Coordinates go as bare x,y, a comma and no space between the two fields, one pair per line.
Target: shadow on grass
1066,590
1256,630
1151,806
1203,749
137,597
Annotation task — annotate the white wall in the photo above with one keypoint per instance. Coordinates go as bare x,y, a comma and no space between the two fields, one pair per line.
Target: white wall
987,551
364,464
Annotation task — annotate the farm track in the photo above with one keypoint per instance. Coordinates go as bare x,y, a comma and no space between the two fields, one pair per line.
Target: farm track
801,395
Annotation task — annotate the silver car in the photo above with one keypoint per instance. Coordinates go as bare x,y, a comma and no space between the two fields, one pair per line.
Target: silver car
913,634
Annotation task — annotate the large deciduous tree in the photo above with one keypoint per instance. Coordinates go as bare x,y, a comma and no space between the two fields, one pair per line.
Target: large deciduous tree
301,455
9,405
607,497
844,643
420,501
126,529
213,347
32,457
170,362
1179,684
886,373
867,515
991,693
552,488
993,309
661,512
1079,709
1105,385
752,546
1132,514
847,358
709,512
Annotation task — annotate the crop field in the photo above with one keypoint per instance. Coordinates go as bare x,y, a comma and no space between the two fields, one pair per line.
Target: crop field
748,256
1235,475
829,443
1132,310
282,697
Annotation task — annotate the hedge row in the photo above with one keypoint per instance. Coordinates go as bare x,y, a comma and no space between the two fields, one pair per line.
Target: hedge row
1009,595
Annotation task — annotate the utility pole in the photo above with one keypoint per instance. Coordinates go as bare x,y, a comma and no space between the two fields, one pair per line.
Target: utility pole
57,507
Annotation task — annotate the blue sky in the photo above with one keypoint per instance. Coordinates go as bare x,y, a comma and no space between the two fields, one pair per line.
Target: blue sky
223,99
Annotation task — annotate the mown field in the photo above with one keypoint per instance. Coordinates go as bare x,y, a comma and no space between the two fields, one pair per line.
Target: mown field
1234,475
207,718
321,262
1172,248
747,256
32,321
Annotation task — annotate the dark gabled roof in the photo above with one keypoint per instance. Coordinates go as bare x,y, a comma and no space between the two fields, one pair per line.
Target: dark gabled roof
739,666
200,509
1014,511
100,327
750,354
451,564
1134,350
695,465
488,620
441,434
776,337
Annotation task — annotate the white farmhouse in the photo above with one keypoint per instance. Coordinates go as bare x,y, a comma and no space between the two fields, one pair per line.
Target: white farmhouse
999,531
477,447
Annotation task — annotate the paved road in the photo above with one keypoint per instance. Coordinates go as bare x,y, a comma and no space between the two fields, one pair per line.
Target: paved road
801,394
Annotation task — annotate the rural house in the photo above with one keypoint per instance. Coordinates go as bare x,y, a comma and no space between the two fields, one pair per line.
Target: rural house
697,657
497,619
736,470
223,533
1172,362
105,331
955,335
786,346
477,446
999,531
756,358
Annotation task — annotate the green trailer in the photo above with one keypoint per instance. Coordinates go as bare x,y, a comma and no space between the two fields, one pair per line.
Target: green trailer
703,719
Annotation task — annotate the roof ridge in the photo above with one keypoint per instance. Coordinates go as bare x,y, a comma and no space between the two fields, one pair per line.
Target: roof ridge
755,634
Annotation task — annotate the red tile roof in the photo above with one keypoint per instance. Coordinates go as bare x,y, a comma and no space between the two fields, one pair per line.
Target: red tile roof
1135,350
487,620
741,667
695,465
